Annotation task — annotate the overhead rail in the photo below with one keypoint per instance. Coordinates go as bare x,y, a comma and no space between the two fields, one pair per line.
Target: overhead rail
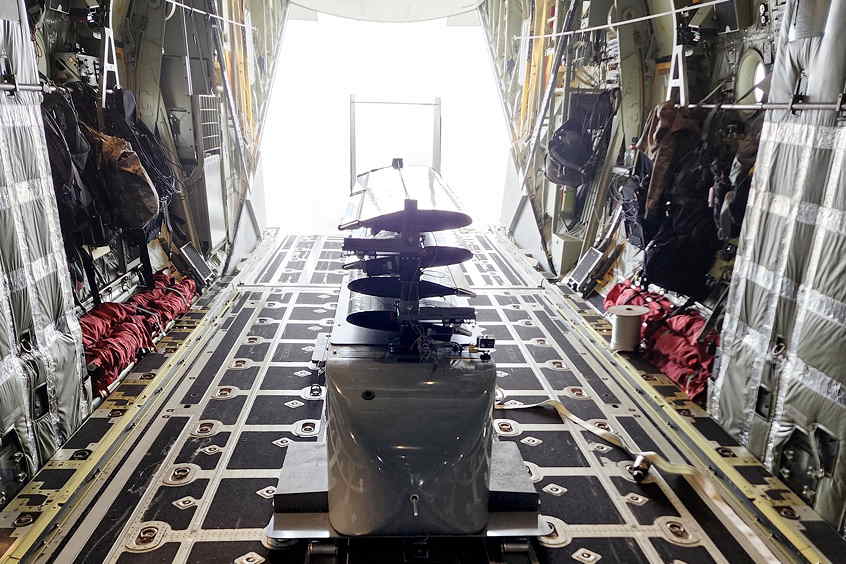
797,106
611,25
45,88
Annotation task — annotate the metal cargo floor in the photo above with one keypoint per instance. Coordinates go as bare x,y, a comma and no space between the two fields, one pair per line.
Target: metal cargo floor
191,443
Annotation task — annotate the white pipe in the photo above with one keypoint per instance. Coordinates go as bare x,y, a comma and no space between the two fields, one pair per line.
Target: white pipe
196,11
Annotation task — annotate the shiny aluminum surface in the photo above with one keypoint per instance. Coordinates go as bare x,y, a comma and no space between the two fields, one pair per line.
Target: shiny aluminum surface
409,445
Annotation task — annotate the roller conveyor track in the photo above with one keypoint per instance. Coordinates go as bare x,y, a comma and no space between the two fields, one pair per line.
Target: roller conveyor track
176,465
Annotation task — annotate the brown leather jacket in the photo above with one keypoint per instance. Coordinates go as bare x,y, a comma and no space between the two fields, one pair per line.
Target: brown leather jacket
669,134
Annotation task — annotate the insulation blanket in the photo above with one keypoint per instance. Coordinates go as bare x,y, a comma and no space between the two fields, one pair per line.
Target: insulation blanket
37,315
783,361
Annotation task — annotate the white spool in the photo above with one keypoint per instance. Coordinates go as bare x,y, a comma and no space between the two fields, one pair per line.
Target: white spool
625,332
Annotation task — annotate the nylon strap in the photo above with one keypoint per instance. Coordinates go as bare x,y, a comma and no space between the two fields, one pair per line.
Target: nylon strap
654,458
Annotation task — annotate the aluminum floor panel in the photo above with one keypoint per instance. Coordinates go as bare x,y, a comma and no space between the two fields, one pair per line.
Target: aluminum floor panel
192,480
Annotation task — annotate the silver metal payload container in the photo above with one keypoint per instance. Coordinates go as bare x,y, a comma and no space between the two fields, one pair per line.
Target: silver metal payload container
409,444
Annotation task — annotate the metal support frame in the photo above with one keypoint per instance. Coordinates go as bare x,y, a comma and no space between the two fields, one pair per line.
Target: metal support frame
678,67
240,142
187,53
798,106
109,64
602,184
353,164
612,25
276,56
436,136
499,73
251,212
437,132
245,203
17,87
560,49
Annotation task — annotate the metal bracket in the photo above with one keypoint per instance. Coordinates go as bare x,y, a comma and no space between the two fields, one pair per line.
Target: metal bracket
8,79
678,65
109,64
797,97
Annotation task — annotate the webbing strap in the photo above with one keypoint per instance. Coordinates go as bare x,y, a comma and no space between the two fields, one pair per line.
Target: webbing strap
653,458
90,273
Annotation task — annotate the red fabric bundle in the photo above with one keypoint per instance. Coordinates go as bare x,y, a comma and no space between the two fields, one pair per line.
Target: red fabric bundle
119,350
98,322
153,319
625,293
672,344
679,355
113,334
168,299
114,311
93,328
119,347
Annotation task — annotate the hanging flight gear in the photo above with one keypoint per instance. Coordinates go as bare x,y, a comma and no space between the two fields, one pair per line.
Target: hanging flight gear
575,149
123,122
69,153
684,249
631,202
729,196
130,191
568,150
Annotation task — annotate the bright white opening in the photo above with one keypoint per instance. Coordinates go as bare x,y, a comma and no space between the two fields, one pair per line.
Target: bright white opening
751,86
391,10
409,134
306,146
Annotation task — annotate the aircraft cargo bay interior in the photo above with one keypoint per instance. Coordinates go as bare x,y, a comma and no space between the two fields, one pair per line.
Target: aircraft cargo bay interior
443,282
